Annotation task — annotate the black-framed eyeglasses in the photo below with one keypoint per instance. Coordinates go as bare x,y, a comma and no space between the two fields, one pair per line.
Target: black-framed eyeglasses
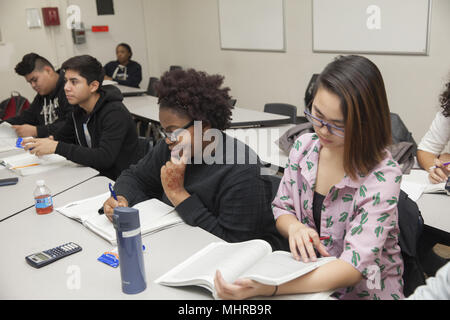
173,136
320,123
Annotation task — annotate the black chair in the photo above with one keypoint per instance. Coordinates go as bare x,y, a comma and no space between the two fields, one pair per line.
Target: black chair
151,86
283,109
175,68
145,145
233,102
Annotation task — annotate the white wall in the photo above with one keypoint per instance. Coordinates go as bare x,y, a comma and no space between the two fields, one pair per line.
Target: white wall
187,33
55,42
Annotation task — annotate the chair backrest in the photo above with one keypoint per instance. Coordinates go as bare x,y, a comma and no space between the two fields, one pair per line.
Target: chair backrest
151,86
175,68
233,102
310,89
410,223
145,145
283,109
400,132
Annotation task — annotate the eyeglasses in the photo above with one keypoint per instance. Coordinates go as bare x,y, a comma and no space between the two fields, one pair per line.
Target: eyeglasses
320,123
173,136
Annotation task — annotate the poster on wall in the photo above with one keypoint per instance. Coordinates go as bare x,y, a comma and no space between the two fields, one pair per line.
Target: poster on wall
33,18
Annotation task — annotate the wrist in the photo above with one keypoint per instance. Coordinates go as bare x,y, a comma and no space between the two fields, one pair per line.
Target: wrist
177,197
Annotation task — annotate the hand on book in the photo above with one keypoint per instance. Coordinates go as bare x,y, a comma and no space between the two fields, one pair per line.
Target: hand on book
438,173
111,203
302,241
240,289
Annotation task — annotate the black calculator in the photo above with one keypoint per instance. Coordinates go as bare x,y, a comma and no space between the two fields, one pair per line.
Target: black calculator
43,258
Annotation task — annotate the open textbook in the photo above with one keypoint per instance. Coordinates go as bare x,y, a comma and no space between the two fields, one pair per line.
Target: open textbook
26,163
251,259
416,183
154,215
8,137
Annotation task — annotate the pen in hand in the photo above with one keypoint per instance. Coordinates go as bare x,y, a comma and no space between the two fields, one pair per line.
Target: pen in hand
444,165
113,194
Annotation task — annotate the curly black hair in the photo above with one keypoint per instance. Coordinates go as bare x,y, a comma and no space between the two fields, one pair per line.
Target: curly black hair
445,100
197,95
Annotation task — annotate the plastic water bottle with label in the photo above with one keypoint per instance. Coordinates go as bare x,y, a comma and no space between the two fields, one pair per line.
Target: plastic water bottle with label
42,198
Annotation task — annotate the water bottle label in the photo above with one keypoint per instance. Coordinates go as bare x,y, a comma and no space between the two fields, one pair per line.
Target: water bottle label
131,233
42,203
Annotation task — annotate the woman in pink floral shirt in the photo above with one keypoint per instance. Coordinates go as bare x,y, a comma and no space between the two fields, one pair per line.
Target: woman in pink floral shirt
340,183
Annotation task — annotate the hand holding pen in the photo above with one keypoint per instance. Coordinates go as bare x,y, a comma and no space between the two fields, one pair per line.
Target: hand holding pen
439,172
112,202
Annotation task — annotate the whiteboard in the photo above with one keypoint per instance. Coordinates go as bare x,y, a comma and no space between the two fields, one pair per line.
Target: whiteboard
251,24
372,26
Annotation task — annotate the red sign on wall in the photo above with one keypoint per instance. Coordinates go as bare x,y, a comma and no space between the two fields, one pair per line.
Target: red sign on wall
51,16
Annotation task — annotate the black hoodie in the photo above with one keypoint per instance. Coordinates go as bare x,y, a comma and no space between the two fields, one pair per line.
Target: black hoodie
48,113
113,144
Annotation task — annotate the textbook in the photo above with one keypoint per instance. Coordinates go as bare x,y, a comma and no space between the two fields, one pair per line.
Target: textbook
154,215
26,163
251,259
416,183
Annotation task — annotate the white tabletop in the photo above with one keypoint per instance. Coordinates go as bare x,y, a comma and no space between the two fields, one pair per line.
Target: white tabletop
262,141
147,107
18,197
435,209
127,90
77,276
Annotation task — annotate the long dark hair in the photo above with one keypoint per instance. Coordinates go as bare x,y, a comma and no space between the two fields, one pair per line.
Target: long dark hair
359,85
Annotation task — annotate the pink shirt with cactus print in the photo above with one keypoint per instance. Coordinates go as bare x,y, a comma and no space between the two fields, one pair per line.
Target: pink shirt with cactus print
360,217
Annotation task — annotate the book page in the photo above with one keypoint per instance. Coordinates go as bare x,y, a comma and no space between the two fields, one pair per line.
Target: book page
83,209
280,267
419,179
7,131
232,259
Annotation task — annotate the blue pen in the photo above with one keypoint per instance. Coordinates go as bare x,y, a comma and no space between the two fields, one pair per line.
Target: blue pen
113,193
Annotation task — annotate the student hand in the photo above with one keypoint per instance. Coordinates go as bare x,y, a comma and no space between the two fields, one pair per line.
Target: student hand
25,130
40,147
172,179
440,173
111,203
300,237
240,289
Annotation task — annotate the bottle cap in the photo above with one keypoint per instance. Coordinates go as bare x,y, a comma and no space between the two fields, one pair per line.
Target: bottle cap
40,183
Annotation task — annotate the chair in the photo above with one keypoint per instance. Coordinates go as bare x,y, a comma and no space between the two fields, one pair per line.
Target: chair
151,86
283,109
175,68
233,102
145,145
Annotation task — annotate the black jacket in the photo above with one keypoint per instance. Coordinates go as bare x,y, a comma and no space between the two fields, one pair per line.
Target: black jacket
114,141
231,201
130,75
48,113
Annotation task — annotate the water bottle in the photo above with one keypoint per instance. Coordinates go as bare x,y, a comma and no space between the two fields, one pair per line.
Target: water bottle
42,198
129,243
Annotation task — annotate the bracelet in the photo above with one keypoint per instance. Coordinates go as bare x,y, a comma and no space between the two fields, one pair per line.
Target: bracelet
275,292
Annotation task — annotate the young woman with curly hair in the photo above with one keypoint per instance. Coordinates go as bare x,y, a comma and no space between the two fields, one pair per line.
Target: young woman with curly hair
229,198
434,148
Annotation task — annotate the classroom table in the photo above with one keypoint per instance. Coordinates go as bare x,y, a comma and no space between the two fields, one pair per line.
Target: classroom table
81,276
435,211
130,91
146,107
18,197
263,141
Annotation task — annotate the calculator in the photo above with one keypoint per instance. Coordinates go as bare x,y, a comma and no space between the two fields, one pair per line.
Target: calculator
43,258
